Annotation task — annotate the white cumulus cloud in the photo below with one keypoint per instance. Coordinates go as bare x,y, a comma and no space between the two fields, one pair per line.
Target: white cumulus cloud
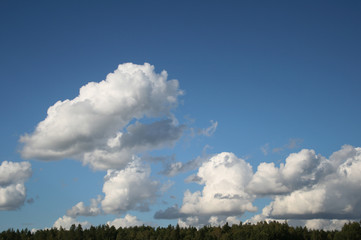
66,222
225,178
216,221
127,221
307,189
12,179
189,221
318,188
200,221
81,210
129,189
91,127
267,180
301,169
325,224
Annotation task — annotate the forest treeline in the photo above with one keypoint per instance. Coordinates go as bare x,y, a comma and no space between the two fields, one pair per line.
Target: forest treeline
259,231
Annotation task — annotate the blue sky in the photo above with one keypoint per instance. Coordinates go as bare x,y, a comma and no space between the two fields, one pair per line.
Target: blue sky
261,81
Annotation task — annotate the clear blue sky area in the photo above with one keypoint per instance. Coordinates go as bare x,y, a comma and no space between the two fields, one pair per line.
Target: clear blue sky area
258,80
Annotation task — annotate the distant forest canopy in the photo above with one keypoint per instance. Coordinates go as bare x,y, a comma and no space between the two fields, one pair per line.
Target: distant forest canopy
259,231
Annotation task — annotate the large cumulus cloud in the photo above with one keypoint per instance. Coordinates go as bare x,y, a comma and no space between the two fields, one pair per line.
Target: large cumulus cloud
12,184
335,193
92,126
108,126
224,178
307,188
316,192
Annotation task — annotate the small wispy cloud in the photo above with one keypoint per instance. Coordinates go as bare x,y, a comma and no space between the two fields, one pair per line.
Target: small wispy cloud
174,168
265,149
292,144
209,131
